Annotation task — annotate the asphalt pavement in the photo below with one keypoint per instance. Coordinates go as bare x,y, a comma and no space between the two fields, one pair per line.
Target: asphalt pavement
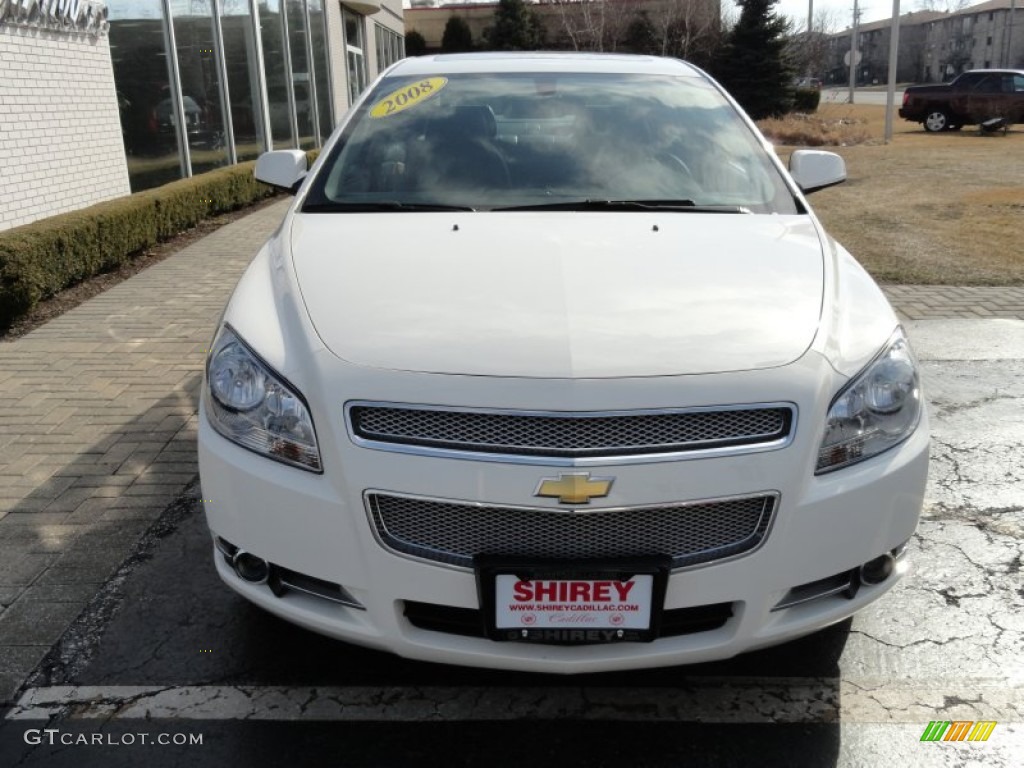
835,95
116,636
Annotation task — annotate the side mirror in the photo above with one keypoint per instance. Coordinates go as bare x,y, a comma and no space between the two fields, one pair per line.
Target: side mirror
813,169
285,168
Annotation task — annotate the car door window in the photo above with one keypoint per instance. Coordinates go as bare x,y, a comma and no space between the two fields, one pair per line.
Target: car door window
989,84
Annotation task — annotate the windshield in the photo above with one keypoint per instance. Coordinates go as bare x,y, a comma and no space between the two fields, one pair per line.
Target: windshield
519,141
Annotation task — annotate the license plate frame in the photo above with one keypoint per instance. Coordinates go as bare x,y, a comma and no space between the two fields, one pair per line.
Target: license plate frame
578,625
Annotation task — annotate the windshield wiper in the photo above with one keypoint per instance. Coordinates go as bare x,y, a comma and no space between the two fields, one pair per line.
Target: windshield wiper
380,205
681,206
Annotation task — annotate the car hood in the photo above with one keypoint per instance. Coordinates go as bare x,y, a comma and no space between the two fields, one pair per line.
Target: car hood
561,294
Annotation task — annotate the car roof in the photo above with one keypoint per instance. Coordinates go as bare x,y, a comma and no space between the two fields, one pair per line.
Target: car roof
994,72
505,61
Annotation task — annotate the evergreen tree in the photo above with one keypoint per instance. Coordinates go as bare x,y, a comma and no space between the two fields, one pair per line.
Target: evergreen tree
641,36
752,64
415,45
515,28
457,36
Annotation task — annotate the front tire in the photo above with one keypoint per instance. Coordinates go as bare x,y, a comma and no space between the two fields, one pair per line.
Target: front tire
936,121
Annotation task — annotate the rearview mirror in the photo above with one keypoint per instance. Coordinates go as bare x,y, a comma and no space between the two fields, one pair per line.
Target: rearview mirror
813,169
285,168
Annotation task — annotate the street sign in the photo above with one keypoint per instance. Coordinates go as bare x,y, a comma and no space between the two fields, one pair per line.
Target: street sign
856,59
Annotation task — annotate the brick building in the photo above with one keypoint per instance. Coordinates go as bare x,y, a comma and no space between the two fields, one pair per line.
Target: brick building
935,47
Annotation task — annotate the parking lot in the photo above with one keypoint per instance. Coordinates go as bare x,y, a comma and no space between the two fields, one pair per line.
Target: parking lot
107,580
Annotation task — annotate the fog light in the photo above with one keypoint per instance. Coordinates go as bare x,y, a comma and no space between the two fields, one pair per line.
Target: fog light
878,570
251,568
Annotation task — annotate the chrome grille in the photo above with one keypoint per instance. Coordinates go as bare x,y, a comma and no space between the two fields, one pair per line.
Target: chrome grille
571,435
454,532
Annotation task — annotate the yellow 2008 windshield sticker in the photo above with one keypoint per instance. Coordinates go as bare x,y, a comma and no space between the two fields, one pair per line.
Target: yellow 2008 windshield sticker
408,96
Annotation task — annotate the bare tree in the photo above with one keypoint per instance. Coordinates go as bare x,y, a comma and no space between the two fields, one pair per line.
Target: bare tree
958,56
942,6
592,25
582,22
808,51
730,14
911,64
687,29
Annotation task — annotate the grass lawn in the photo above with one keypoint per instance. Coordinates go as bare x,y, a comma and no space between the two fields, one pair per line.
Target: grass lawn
928,208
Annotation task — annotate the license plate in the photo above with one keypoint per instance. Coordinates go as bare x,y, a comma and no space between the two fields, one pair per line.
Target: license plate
573,603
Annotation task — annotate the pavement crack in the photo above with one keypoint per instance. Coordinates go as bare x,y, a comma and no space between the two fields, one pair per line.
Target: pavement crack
954,600
955,701
913,643
303,706
946,408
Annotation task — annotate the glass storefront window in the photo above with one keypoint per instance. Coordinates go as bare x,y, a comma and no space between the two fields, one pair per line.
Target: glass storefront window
305,109
202,100
181,120
355,56
321,67
276,65
138,50
243,78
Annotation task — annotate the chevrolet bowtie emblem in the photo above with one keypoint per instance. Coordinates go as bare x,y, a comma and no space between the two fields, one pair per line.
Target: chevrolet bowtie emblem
574,488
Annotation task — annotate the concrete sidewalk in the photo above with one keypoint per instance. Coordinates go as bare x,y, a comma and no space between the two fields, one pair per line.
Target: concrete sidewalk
97,432
98,422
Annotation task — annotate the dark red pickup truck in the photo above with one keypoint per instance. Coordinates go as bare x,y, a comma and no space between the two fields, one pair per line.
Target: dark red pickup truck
973,97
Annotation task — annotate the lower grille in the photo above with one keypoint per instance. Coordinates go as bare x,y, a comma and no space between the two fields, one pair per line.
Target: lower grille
469,622
455,532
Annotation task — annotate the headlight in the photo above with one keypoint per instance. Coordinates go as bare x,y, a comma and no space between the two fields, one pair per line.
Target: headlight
879,409
251,405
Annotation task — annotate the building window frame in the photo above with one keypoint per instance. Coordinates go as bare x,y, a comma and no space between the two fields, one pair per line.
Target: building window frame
390,46
355,53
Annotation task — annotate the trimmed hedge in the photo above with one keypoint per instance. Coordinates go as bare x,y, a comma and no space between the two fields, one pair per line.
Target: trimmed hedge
806,99
40,259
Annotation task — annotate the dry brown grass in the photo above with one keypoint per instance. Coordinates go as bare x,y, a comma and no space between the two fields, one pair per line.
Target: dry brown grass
927,208
817,130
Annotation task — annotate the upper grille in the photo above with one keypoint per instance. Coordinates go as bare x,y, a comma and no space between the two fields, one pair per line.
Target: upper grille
572,435
454,532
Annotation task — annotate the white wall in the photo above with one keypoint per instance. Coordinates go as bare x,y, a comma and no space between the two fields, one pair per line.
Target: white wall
60,134
339,70
389,15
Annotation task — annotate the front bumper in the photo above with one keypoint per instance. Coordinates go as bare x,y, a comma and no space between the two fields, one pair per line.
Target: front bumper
318,526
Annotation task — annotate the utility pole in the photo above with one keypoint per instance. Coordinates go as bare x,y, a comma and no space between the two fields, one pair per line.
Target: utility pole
810,32
890,91
1009,34
853,51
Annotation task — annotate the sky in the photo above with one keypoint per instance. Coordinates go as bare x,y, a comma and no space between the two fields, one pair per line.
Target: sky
842,10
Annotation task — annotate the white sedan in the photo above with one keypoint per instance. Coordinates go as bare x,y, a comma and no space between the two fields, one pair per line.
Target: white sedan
551,367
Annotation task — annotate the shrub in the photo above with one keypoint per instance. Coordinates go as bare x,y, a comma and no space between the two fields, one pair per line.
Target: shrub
40,259
415,44
806,99
457,37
